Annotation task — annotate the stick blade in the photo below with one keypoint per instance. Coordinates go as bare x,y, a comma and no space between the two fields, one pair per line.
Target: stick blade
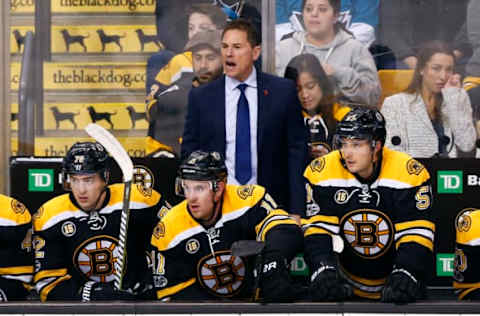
113,146
245,248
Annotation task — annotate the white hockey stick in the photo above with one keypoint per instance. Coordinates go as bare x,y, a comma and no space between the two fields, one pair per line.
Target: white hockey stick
118,153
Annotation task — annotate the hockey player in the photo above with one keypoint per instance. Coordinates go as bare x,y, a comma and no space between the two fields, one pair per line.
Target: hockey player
76,234
16,259
194,238
379,202
466,277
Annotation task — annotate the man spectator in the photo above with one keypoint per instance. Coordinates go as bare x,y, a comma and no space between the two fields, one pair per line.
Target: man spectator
167,111
252,119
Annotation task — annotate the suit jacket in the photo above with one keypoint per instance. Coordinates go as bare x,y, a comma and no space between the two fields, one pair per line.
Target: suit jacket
406,117
281,136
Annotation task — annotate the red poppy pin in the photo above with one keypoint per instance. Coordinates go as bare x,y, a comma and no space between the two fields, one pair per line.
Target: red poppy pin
265,92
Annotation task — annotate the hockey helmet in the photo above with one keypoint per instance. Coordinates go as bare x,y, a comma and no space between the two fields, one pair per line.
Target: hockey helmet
201,166
361,123
85,158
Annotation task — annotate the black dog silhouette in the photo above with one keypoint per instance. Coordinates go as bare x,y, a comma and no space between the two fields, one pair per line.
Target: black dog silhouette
13,117
71,39
135,116
61,116
19,38
105,39
98,116
144,39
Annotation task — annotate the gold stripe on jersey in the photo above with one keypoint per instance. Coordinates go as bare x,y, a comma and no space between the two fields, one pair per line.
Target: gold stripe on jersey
320,224
274,218
178,225
425,242
46,289
415,224
174,289
464,293
49,274
13,213
467,225
16,270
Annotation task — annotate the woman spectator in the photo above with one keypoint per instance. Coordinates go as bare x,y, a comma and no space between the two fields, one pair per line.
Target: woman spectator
347,62
433,116
317,97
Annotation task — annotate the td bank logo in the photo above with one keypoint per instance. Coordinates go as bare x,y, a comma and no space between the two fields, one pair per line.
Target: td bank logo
445,264
450,181
40,180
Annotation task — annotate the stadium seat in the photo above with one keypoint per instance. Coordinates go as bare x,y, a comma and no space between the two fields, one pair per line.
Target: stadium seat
393,81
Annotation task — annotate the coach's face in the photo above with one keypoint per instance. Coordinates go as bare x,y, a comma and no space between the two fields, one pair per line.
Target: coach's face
238,54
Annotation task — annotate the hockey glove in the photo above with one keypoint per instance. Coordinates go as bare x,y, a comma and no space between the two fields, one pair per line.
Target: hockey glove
95,291
275,281
326,286
401,287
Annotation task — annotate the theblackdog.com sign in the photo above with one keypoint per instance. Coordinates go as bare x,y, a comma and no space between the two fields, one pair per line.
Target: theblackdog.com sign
103,6
94,76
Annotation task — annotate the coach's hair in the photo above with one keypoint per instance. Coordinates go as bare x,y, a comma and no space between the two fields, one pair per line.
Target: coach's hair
245,26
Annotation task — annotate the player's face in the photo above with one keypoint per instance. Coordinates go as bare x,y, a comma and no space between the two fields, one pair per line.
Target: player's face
309,91
200,198
86,189
358,156
199,22
238,55
436,72
207,64
319,18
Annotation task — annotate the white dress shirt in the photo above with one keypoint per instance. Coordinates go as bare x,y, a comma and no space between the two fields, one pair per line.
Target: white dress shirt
232,94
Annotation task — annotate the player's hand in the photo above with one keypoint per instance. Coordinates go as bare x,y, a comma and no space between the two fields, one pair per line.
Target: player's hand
326,286
275,280
401,287
97,291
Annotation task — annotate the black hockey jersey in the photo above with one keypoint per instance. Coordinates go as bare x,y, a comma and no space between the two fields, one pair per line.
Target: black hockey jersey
193,262
16,258
73,246
382,223
466,278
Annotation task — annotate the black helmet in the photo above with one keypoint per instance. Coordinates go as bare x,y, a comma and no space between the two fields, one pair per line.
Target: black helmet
86,158
362,123
201,166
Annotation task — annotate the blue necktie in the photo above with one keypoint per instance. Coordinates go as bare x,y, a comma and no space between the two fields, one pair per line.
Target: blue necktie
243,161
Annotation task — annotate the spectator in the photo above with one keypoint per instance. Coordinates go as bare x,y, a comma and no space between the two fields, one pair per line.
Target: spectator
346,61
252,119
167,111
376,205
407,24
16,263
76,234
320,112
201,17
360,17
434,115
195,237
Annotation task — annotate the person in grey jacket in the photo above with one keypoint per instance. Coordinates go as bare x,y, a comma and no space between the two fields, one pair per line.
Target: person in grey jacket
347,62
433,117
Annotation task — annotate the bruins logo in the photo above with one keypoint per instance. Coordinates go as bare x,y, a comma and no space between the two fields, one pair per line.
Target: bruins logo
463,221
222,275
245,191
369,232
414,167
159,230
18,207
143,178
460,265
317,165
96,258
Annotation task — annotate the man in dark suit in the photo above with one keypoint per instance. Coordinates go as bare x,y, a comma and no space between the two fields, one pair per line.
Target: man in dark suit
253,119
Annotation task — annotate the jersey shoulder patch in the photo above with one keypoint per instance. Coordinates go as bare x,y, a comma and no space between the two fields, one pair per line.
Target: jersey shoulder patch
325,168
239,196
14,212
403,169
58,207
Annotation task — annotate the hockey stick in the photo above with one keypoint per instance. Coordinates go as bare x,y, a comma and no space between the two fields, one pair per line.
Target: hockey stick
119,154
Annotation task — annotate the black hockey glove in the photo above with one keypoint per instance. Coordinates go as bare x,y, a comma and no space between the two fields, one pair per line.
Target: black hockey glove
401,287
326,286
96,291
275,280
